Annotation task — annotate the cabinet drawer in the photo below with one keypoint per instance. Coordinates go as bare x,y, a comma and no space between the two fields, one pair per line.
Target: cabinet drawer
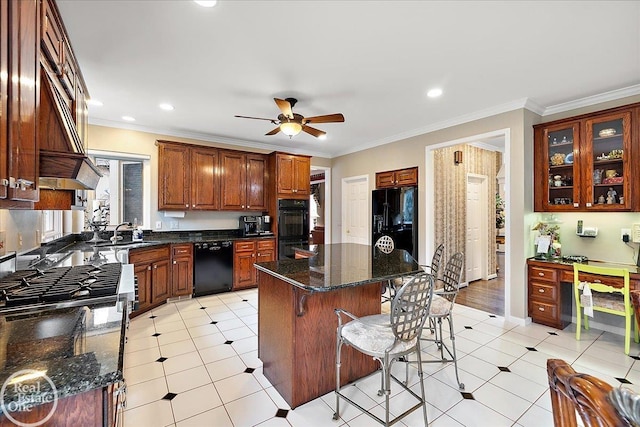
543,291
245,246
543,311
617,282
266,244
542,273
137,256
180,250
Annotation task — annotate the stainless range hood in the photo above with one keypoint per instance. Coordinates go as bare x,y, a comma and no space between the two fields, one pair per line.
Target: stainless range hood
63,162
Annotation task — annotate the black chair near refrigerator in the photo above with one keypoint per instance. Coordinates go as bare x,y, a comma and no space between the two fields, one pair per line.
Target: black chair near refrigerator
388,338
441,309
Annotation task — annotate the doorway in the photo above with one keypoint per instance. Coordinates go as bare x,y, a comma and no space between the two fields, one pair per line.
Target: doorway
498,140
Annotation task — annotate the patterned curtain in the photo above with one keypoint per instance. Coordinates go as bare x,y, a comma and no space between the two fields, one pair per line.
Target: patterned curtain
450,198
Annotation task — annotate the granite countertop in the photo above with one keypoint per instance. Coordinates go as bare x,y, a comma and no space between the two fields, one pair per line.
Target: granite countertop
79,348
341,265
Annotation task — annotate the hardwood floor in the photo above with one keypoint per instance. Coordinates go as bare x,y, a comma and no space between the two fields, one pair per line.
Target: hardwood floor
486,295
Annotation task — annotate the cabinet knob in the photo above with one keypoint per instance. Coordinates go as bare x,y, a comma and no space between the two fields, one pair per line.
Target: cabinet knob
541,308
539,290
155,266
575,205
588,205
149,268
597,281
248,207
175,262
242,206
186,206
193,206
541,274
4,182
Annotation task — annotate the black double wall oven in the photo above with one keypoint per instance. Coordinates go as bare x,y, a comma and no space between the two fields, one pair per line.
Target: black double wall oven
293,226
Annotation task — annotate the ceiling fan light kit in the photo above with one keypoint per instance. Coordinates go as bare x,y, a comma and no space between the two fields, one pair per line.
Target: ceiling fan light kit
292,124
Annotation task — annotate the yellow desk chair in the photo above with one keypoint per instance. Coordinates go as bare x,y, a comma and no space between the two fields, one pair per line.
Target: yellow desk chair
609,295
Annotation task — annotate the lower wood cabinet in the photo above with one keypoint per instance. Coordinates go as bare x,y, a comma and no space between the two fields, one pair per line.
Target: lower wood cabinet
245,254
181,269
152,269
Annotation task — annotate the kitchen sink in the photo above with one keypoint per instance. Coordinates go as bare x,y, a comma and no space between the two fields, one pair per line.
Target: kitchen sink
124,244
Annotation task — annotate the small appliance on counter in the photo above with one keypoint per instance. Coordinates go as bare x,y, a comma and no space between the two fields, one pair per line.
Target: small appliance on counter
255,225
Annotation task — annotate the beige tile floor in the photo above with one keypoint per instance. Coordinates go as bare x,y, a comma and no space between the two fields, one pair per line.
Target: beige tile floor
195,363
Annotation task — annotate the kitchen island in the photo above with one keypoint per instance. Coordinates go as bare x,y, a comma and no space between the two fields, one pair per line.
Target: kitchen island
296,319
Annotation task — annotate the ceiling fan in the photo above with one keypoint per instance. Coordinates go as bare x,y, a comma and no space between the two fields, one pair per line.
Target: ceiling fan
291,123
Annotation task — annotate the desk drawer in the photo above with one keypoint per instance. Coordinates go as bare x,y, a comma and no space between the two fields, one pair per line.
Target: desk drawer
544,313
543,273
543,292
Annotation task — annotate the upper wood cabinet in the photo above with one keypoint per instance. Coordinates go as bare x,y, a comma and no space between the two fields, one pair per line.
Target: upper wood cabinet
243,181
397,178
586,163
292,175
19,94
205,187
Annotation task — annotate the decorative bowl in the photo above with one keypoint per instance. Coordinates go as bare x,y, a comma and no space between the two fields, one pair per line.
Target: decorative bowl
604,133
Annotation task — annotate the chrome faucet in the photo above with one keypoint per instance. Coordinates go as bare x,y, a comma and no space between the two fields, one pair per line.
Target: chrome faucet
114,239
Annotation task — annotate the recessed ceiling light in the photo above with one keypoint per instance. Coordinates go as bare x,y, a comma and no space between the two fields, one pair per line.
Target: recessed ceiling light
206,3
434,93
323,137
166,107
94,102
128,118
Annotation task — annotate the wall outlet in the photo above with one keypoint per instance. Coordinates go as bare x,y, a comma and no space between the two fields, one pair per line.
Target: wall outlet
626,231
174,225
158,225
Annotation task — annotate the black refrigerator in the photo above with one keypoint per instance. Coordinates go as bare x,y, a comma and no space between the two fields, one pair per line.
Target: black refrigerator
395,214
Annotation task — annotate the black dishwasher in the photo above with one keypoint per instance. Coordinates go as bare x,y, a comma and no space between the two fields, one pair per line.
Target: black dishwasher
212,267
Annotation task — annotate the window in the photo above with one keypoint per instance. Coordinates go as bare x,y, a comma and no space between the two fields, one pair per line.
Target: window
51,224
123,192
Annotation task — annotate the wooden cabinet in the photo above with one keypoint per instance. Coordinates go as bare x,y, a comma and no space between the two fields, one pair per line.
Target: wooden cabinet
20,90
245,254
397,178
181,269
192,177
586,163
243,181
152,271
292,176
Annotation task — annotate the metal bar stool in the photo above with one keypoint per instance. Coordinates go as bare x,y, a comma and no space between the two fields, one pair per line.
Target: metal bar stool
387,338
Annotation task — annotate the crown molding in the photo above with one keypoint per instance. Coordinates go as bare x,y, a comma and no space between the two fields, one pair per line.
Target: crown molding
481,114
205,137
592,100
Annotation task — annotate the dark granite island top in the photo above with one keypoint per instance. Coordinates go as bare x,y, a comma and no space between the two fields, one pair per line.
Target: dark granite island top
340,265
296,318
79,349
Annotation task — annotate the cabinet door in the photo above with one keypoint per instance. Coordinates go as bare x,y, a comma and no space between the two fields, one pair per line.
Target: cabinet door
256,185
4,121
302,177
385,179
285,175
558,173
244,256
173,177
24,92
182,276
160,283
143,276
233,180
607,154
407,177
205,184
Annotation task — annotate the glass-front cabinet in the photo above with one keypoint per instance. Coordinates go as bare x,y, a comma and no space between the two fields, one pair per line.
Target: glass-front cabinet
561,184
584,163
607,153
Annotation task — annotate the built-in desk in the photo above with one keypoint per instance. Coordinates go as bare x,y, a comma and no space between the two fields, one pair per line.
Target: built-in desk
296,319
550,289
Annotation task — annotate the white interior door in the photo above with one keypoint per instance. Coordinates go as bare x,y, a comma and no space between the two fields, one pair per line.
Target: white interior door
355,210
476,242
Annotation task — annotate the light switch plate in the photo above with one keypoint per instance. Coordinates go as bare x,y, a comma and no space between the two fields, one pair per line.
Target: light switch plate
158,225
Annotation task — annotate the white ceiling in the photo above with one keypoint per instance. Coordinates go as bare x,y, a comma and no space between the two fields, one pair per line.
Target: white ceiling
373,61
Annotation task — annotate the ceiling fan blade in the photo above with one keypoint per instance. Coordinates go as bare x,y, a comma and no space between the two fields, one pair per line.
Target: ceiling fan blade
313,131
273,132
328,118
256,118
285,107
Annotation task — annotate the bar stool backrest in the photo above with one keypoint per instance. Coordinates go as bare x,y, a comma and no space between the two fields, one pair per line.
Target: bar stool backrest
410,307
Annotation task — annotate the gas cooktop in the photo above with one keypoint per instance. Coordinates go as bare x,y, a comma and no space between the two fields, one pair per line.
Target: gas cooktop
61,286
